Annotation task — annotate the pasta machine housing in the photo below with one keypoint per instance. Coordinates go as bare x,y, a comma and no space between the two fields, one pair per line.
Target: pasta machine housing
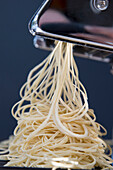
78,22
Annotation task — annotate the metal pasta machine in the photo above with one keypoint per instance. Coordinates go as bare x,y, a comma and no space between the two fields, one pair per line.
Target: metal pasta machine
86,23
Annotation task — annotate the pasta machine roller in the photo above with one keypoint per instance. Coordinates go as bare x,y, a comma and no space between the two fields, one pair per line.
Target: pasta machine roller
87,24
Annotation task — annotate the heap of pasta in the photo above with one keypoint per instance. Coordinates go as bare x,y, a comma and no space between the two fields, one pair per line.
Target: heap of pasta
55,127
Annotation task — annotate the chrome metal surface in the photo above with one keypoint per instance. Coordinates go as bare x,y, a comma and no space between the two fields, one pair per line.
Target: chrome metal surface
95,30
80,51
74,21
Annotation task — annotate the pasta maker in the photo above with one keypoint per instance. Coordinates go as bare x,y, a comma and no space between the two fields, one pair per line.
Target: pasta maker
87,24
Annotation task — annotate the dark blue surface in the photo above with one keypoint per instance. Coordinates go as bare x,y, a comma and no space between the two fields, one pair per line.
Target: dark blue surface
2,163
18,57
16,168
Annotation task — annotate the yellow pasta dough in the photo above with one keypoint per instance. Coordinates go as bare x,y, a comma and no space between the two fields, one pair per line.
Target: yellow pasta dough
55,126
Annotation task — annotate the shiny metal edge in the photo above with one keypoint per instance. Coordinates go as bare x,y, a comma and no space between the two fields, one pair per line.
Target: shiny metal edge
34,29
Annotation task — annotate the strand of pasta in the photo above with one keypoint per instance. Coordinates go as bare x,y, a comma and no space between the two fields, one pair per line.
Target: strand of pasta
55,127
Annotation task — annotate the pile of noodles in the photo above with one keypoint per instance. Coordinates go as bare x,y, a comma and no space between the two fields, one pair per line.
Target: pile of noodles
55,127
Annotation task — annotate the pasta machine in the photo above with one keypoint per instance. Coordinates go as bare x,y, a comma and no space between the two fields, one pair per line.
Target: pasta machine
87,24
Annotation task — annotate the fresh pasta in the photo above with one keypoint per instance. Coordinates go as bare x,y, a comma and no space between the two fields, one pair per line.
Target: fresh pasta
55,127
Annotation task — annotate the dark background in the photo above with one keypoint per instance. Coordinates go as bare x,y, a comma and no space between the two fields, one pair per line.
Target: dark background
18,56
